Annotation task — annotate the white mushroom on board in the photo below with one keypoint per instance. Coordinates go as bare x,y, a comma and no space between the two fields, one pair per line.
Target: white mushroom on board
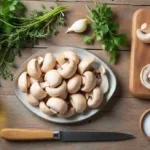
68,69
24,82
53,78
88,81
37,91
49,63
33,69
78,102
95,97
58,105
145,76
54,92
144,33
85,64
74,84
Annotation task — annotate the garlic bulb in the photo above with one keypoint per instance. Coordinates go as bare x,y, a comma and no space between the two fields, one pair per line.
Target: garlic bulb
78,26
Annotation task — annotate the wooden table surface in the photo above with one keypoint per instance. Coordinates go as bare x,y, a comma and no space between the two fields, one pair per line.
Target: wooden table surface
123,112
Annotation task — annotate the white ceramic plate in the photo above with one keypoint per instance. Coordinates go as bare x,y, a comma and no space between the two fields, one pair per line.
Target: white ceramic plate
82,54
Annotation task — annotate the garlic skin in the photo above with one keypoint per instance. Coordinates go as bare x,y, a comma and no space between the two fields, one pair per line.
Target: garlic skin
78,26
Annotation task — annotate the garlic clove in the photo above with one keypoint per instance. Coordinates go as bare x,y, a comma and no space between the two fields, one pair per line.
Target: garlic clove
78,26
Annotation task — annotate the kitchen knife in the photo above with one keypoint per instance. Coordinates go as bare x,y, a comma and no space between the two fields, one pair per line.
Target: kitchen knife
65,136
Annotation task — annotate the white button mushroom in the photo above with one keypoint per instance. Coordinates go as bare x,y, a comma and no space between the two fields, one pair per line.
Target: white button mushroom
74,84
68,69
48,63
46,110
95,97
54,92
54,78
24,82
88,81
104,83
57,104
32,100
85,65
40,60
37,91
33,69
78,102
70,112
144,76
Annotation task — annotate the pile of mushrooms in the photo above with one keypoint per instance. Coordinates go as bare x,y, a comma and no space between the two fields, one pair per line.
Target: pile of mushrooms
63,85
144,33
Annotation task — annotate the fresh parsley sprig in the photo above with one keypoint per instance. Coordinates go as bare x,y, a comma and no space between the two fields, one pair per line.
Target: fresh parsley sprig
16,29
105,30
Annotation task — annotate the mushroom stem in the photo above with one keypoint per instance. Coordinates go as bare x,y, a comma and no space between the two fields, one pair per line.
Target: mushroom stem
43,85
145,28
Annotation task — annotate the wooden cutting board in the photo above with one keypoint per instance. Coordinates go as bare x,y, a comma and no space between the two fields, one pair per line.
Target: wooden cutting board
140,55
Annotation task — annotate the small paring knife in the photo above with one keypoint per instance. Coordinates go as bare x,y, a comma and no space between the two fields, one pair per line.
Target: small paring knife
65,136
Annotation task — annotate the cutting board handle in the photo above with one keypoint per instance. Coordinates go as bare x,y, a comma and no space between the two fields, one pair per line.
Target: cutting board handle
25,134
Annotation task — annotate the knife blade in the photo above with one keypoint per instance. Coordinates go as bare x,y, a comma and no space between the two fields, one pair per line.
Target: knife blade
64,136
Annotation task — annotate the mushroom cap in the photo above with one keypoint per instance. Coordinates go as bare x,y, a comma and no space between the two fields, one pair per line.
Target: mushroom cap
64,95
70,112
88,81
144,76
60,59
32,80
78,102
68,69
37,91
54,92
85,64
48,63
24,82
104,83
54,78
95,97
70,55
32,100
74,84
57,104
45,109
144,37
33,69
40,60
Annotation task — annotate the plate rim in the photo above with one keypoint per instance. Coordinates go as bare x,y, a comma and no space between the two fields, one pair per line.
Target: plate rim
66,121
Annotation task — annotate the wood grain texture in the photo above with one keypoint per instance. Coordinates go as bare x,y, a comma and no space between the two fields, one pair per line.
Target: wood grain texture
140,55
26,134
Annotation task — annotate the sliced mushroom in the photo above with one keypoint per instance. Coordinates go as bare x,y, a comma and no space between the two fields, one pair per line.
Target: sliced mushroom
94,98
33,69
32,100
70,112
48,63
24,82
104,84
74,84
85,65
37,91
78,102
32,80
145,76
144,37
57,104
54,92
46,110
64,95
88,81
54,78
68,69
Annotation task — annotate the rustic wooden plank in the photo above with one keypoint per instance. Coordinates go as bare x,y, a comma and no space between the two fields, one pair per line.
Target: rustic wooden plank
121,70
124,2
120,115
122,14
